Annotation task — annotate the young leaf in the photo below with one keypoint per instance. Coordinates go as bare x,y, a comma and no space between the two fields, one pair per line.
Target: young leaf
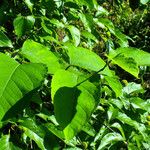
17,80
4,40
23,24
109,139
38,53
29,4
75,33
115,84
144,1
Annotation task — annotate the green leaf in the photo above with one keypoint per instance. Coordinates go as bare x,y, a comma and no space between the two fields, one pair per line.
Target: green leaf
76,110
141,57
126,63
86,59
22,24
133,88
115,84
29,4
33,131
17,80
109,139
4,40
89,3
144,1
38,53
69,80
89,35
119,127
89,129
87,21
104,22
125,119
54,129
75,33
139,103
123,39
5,144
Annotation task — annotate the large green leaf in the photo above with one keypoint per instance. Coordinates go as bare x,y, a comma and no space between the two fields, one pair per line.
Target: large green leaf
5,144
69,80
4,40
73,104
17,80
39,53
22,24
126,63
141,57
86,59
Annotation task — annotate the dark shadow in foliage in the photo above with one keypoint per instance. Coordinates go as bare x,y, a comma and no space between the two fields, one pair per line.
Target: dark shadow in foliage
19,106
65,101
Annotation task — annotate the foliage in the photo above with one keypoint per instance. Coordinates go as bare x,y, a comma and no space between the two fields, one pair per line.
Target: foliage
72,76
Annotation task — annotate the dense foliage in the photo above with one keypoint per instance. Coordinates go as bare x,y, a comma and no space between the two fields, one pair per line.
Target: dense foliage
74,74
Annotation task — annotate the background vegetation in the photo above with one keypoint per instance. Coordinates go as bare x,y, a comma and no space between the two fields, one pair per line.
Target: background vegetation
74,74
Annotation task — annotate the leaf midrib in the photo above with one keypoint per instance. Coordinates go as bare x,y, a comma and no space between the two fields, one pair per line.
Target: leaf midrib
9,78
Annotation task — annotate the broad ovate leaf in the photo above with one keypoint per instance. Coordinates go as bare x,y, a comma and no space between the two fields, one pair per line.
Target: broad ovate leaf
142,58
38,53
22,24
86,59
17,80
75,33
73,102
126,63
4,40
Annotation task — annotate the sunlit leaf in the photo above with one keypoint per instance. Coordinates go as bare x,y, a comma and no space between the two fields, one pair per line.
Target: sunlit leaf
17,80
5,144
39,53
86,59
126,63
22,24
66,94
75,33
109,139
141,57
4,40
115,84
